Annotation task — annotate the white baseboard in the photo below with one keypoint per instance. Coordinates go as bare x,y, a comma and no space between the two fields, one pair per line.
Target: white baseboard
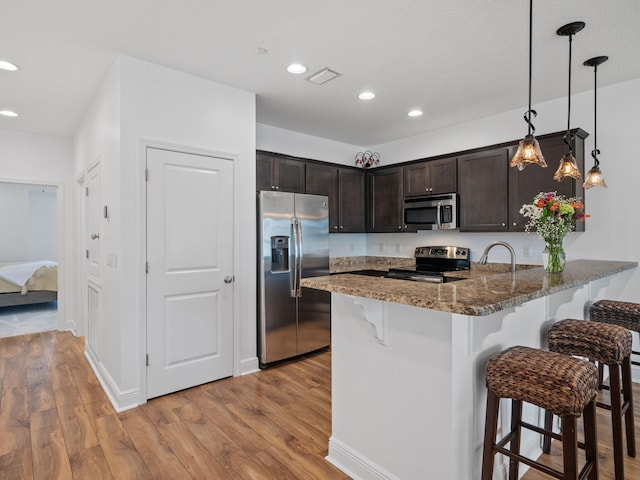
120,401
353,464
249,365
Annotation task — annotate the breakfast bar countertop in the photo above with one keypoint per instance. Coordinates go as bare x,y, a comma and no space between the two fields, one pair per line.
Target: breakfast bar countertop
481,293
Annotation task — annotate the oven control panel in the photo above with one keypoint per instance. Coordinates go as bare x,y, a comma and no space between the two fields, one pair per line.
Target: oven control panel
459,253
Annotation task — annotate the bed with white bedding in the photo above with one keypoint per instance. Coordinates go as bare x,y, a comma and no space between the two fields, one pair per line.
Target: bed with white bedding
28,282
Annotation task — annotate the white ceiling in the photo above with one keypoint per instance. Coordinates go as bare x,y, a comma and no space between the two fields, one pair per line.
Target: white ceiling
457,60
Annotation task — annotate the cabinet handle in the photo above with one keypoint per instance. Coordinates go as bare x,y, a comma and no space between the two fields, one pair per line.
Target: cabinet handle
341,227
406,226
504,224
335,227
273,187
515,224
399,227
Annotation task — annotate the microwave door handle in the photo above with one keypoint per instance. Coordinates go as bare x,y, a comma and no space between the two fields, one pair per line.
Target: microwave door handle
438,219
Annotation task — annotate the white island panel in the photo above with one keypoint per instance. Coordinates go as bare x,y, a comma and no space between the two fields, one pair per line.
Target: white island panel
408,399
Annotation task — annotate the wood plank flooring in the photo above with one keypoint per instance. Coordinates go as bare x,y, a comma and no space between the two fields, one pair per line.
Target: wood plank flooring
56,423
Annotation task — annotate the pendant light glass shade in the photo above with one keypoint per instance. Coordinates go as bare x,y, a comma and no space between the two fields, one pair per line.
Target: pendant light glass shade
568,166
528,149
594,177
528,152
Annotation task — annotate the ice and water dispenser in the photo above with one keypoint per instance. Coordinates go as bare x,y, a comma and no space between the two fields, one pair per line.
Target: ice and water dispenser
279,253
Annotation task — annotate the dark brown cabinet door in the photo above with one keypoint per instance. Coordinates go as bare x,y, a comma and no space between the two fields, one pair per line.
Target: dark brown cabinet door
431,177
417,179
323,180
386,199
263,172
345,188
279,173
289,175
526,184
482,189
444,175
352,201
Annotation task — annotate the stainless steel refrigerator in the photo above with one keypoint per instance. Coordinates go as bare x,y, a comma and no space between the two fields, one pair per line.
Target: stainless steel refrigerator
293,243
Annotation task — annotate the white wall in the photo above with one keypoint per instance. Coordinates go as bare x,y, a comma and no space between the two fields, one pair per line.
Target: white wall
28,217
145,102
97,139
274,139
47,160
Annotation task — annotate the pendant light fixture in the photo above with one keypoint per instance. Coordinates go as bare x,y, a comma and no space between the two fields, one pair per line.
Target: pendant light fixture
528,149
568,166
594,177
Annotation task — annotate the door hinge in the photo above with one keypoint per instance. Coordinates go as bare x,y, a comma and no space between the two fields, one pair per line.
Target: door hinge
146,267
147,359
146,174
86,191
86,252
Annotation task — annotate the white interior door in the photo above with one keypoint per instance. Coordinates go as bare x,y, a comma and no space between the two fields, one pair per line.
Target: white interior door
190,270
94,215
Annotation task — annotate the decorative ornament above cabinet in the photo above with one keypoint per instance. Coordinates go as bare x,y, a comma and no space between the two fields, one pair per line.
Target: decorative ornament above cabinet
367,159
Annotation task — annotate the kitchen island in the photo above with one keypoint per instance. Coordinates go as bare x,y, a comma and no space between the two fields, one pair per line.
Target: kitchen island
408,361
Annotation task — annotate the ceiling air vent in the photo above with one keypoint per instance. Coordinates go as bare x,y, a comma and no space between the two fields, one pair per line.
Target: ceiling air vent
323,76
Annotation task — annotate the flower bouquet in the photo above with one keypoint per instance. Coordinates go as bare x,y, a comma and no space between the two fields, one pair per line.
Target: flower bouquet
552,216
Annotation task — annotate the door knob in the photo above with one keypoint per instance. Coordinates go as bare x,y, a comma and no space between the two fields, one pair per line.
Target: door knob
228,279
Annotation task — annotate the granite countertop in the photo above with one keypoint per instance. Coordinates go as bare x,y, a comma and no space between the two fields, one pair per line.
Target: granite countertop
483,293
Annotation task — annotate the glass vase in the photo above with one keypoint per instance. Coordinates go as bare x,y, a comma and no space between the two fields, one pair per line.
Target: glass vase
553,256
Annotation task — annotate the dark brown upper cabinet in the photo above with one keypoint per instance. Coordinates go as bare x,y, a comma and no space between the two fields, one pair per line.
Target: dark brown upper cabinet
281,173
526,184
345,188
386,197
482,189
431,177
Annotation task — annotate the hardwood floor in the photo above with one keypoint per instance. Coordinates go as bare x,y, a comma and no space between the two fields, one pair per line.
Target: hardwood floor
56,423
605,446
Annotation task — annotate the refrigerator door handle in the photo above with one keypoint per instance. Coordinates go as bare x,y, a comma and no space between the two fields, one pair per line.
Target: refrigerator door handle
299,251
293,272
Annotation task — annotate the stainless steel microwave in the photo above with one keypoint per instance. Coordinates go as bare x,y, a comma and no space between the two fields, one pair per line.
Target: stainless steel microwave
435,212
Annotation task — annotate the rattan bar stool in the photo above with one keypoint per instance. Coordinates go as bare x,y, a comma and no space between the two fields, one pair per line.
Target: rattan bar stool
564,385
608,345
625,314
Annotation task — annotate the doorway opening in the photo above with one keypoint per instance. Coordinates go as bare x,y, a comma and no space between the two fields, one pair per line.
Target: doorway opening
28,258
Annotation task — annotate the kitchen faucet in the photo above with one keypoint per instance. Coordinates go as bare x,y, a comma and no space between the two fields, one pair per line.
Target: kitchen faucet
485,254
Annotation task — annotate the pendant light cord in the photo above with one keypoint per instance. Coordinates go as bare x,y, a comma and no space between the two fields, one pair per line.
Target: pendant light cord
595,152
527,116
568,137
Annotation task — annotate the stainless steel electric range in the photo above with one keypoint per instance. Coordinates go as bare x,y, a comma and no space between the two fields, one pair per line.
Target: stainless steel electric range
433,264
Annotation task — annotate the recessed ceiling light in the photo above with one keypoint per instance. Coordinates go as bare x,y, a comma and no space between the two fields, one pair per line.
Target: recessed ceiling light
415,113
8,113
4,65
296,68
367,96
